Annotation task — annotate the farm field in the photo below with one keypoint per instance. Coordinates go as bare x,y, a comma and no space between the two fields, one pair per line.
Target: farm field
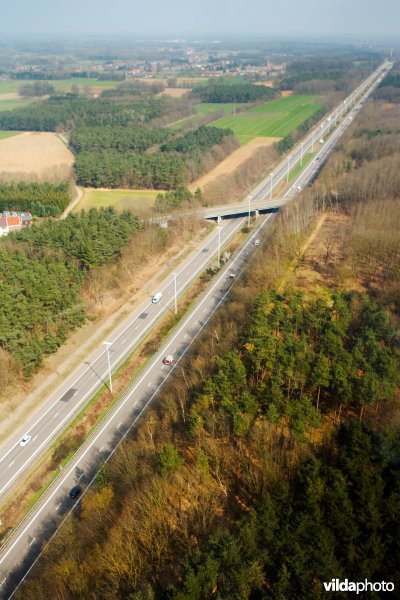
276,118
12,85
120,199
11,101
34,157
204,108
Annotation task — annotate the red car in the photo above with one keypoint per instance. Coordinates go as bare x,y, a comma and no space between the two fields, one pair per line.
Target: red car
168,360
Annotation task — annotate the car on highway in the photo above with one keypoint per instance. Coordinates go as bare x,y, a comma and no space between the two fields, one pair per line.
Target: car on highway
75,492
257,242
25,440
168,360
156,298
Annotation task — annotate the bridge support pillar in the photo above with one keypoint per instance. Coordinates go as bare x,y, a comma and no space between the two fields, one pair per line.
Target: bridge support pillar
219,219
256,213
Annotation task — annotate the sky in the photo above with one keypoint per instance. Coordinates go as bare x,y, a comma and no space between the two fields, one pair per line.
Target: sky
289,18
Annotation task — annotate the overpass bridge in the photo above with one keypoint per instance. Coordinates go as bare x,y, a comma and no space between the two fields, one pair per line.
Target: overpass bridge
241,209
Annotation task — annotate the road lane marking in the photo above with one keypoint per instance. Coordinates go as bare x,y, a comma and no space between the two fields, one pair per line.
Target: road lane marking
56,415
101,449
11,464
85,452
119,425
3,582
32,542
80,476
149,384
194,273
35,438
58,506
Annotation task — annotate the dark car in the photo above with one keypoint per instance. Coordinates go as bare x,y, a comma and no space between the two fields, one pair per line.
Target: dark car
74,493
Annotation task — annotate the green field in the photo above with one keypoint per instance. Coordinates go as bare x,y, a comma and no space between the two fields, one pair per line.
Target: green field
11,104
276,118
228,108
7,86
205,108
7,134
119,199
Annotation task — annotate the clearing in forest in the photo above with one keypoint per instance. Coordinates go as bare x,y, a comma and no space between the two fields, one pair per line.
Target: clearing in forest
276,118
175,92
34,157
120,199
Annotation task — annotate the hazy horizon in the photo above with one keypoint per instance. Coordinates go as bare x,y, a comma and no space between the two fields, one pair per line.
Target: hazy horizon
333,18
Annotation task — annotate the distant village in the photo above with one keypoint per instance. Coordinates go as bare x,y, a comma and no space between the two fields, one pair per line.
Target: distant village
14,221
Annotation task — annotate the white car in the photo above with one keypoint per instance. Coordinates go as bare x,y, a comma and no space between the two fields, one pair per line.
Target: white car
257,242
156,298
25,440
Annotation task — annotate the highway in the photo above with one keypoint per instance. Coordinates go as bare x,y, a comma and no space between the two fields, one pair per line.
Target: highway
62,406
332,127
103,441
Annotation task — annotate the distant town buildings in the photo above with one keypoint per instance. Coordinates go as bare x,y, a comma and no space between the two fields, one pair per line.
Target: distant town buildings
11,220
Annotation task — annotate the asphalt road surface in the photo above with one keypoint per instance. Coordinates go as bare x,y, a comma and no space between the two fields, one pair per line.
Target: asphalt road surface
62,406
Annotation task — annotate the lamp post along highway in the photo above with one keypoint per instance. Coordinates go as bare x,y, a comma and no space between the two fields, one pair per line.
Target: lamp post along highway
175,298
108,344
288,168
248,217
219,247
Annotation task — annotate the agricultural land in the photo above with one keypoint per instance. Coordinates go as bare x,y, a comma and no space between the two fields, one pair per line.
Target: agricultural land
34,157
276,118
135,200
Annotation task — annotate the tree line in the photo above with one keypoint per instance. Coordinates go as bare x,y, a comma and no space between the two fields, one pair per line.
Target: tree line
69,111
179,161
38,88
40,199
233,92
42,270
138,138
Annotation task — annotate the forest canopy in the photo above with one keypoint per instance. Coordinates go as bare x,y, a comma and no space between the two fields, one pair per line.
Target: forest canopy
42,269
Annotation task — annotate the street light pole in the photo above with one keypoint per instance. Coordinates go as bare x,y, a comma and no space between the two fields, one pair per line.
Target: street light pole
108,344
248,218
175,301
288,168
219,247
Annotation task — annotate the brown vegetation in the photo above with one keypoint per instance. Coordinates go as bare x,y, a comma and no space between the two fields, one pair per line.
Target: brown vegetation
142,520
233,161
233,186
